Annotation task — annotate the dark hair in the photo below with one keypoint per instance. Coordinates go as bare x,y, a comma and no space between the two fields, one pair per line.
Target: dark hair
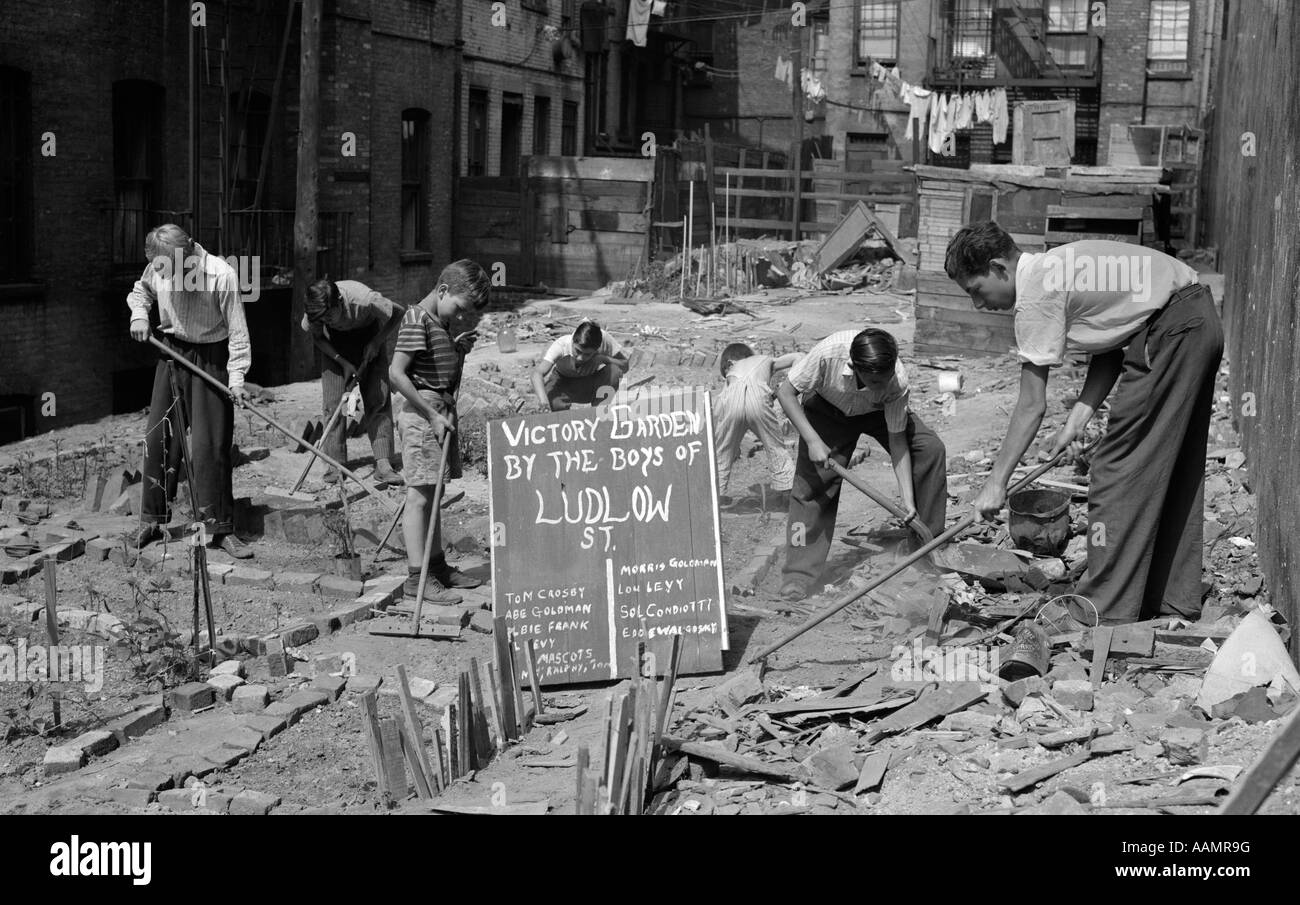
974,246
733,353
319,296
587,334
874,351
468,279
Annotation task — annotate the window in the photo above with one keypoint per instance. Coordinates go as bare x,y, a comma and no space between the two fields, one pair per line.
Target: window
476,163
1067,32
415,180
15,174
569,129
818,46
877,32
251,115
970,28
512,133
137,167
541,126
1167,38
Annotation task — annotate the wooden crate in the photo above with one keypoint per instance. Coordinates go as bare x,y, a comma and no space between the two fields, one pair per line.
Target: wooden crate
947,322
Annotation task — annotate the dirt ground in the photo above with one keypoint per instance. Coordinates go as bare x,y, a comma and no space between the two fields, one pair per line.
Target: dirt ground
323,761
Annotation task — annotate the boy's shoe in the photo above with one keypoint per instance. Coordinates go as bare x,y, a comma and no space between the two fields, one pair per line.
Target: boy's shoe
146,534
455,578
233,546
432,593
793,590
386,474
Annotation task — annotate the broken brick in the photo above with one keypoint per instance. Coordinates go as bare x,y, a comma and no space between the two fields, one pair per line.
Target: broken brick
191,696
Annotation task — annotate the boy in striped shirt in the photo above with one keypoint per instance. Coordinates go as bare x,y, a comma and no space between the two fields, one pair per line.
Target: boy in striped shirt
426,370
851,384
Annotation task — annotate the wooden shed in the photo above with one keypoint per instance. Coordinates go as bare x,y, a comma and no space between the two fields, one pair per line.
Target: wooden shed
1041,208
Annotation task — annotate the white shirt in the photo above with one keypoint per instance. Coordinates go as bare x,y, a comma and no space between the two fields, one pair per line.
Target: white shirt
828,372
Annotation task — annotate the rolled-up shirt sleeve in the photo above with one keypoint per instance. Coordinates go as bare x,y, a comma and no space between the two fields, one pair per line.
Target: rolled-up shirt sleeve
142,296
805,376
232,309
1040,321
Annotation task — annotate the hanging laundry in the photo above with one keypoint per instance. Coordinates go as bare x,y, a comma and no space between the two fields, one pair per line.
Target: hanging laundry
784,71
638,21
983,107
965,107
918,100
813,89
938,121
659,7
1000,122
594,17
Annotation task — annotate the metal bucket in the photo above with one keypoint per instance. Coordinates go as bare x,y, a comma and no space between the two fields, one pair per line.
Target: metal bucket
1040,521
1029,654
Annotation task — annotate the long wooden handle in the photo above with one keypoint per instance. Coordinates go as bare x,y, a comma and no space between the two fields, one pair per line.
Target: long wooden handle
329,425
428,536
924,551
216,384
885,502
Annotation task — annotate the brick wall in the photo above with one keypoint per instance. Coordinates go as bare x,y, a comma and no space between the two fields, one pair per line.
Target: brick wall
518,58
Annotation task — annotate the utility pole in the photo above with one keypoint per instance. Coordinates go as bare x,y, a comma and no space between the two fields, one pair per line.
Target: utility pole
305,220
796,162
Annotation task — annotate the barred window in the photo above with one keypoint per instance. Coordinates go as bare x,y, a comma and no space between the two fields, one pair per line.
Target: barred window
1167,39
877,31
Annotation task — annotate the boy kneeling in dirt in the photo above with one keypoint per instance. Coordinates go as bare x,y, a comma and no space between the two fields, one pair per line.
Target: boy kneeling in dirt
426,369
852,384
582,369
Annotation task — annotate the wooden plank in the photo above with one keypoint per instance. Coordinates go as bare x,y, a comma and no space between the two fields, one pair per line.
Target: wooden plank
1100,654
953,311
932,705
482,706
374,740
501,643
871,703
873,198
719,755
391,741
1027,779
873,772
1268,770
411,756
1069,212
425,775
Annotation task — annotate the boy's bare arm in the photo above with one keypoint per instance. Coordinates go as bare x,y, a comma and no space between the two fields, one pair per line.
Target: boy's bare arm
401,381
785,362
901,454
818,452
539,381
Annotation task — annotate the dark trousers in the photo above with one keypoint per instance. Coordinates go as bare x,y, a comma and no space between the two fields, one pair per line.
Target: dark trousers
210,416
594,389
815,499
375,395
1146,501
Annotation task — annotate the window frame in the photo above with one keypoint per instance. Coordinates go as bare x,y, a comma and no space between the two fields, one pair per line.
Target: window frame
1168,67
477,141
543,148
862,60
16,84
570,139
420,121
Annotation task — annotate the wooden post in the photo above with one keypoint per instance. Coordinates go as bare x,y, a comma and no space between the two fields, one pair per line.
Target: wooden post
796,165
52,632
301,357
416,735
370,723
195,191
538,707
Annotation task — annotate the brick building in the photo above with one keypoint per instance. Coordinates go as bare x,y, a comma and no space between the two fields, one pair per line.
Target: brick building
1121,61
95,150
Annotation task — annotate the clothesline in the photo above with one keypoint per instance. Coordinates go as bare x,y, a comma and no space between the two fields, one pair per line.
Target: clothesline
940,115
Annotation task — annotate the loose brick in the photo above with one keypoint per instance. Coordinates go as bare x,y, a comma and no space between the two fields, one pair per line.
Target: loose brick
257,578
137,723
66,551
297,581
225,686
178,800
249,699
1075,693
228,668
216,802
330,685
132,798
458,616
357,611
64,759
481,622
191,696
250,803
150,780
344,588
362,685
298,634
268,724
97,550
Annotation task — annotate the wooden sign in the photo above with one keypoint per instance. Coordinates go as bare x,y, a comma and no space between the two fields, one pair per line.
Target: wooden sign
605,534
